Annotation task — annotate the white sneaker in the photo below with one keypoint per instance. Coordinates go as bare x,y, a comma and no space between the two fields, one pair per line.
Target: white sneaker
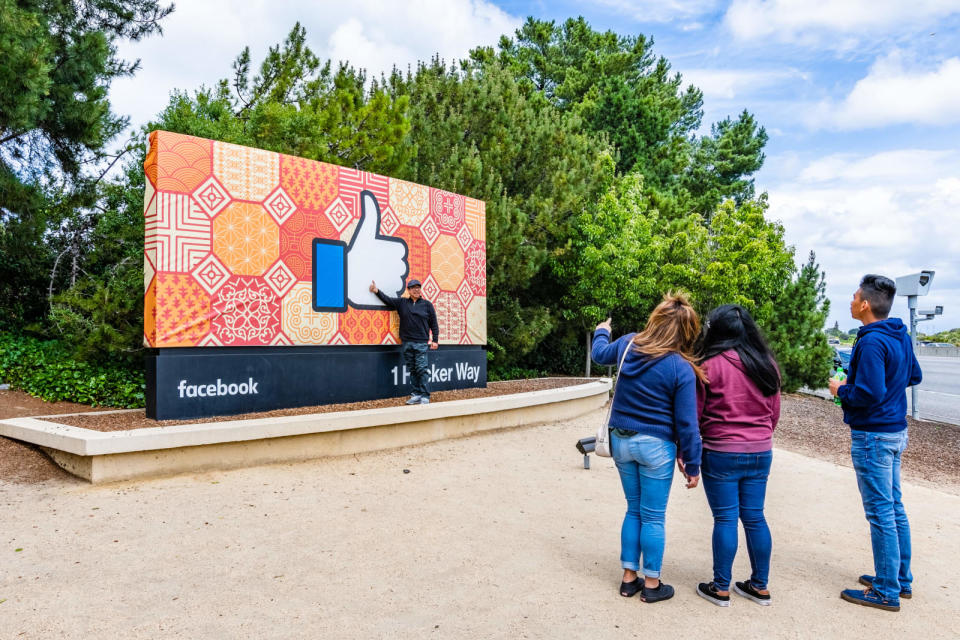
415,399
424,400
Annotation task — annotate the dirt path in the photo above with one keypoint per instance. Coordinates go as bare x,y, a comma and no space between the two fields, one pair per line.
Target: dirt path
502,535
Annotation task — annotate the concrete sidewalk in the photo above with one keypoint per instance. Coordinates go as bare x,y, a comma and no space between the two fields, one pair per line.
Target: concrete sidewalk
501,535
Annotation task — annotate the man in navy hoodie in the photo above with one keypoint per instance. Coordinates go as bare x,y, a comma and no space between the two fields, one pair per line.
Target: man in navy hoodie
874,402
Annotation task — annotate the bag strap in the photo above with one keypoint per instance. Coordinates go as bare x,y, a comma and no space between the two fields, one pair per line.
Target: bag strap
615,380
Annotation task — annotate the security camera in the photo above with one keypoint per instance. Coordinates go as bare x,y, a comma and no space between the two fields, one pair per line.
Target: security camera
936,311
915,284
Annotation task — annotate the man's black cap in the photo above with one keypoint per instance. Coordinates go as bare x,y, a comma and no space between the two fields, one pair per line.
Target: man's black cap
413,283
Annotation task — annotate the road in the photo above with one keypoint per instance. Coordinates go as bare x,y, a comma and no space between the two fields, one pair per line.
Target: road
940,390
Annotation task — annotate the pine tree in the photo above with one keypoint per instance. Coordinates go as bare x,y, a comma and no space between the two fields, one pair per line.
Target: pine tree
796,332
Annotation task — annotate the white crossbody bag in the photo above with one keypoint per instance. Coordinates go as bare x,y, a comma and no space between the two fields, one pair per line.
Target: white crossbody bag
603,431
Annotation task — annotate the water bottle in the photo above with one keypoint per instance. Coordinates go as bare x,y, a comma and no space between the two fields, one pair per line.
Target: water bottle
841,376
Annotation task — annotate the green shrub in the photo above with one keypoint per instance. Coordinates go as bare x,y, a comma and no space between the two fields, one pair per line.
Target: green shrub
496,374
44,369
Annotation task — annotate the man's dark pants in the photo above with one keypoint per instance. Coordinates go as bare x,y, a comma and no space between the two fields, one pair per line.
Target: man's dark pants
415,359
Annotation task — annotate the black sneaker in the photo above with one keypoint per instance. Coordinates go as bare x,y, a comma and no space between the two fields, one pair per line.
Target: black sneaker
748,591
661,592
708,591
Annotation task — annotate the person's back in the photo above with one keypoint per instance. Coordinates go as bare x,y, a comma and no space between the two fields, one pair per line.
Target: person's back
735,415
647,390
882,366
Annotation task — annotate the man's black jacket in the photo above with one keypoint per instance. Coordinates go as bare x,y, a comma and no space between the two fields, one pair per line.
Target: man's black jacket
416,318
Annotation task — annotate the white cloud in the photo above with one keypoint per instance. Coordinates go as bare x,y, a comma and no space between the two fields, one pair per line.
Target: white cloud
202,38
894,213
727,84
661,10
894,92
831,23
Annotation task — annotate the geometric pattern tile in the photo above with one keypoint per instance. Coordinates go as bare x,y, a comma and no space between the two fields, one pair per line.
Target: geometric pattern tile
211,274
246,311
476,268
185,310
477,218
311,185
296,241
388,222
364,326
477,320
301,323
464,293
187,162
451,317
446,261
245,172
178,236
246,238
339,215
281,340
339,339
410,201
353,181
430,289
279,205
212,197
464,238
429,230
418,251
280,278
447,210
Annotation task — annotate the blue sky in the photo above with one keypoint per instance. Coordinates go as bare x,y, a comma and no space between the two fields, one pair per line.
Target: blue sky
861,99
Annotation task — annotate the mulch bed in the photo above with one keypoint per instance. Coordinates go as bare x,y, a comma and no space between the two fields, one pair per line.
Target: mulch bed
808,425
814,426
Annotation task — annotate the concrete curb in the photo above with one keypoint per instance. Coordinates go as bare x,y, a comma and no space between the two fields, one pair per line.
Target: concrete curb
116,455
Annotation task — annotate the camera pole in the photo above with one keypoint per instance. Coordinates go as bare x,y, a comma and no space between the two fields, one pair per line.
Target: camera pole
914,393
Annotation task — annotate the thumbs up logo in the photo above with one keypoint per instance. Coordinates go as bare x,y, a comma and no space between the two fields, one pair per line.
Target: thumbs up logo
342,272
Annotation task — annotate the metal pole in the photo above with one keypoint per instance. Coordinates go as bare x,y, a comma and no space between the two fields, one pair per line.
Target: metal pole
912,303
589,336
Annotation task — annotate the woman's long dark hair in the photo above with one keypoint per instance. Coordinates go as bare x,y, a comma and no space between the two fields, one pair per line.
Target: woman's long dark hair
731,327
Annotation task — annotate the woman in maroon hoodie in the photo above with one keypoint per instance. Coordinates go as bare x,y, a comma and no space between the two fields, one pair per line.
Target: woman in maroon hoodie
739,408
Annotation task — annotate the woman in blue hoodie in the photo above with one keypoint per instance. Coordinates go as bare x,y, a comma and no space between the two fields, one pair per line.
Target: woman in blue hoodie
654,415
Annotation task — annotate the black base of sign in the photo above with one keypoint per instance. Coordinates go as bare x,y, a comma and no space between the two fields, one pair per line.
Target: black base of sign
200,382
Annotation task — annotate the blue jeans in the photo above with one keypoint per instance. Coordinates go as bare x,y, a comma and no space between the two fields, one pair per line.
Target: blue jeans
645,464
415,358
736,485
876,459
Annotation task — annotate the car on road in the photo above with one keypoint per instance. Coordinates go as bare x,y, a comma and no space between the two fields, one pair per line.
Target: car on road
841,358
938,344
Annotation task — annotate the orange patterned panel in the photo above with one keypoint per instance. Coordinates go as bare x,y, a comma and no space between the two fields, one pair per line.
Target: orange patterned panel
446,261
410,201
296,241
477,218
183,310
364,326
247,174
246,239
185,162
150,162
418,252
311,185
150,314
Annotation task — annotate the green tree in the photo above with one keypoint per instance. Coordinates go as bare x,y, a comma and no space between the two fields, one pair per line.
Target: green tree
795,329
59,58
480,132
622,90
